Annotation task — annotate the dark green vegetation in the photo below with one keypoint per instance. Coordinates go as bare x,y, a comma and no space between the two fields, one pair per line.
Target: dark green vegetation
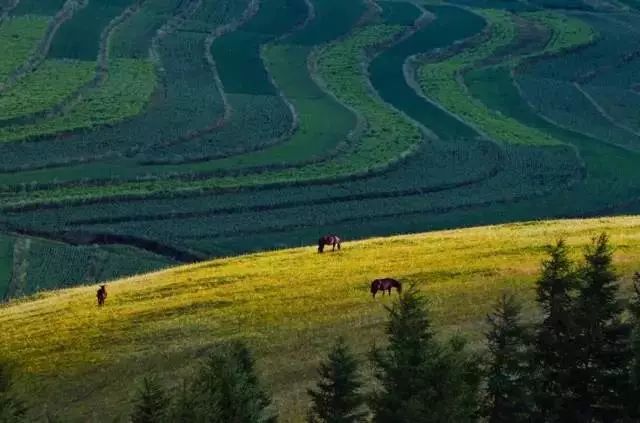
191,129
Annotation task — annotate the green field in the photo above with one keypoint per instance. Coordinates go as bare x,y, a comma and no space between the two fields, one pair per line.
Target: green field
19,37
282,303
196,129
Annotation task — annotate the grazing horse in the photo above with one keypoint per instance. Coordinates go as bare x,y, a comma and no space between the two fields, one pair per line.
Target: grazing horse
333,240
101,295
385,285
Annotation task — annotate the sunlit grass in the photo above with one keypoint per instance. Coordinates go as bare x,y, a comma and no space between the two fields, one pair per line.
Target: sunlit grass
288,304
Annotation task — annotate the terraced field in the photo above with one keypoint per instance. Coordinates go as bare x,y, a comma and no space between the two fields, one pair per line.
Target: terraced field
163,131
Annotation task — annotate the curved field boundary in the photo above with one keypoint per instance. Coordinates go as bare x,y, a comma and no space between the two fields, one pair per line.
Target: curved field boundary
81,143
566,103
610,87
391,70
125,93
40,53
442,82
322,122
83,100
25,105
612,172
389,138
196,99
259,115
82,36
50,84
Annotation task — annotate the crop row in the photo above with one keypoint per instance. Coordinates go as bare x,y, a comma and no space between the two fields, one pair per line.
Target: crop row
258,115
614,176
442,166
322,123
567,103
525,175
125,93
425,182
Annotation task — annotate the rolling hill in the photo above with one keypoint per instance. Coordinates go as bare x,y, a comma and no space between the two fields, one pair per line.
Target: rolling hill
140,134
82,362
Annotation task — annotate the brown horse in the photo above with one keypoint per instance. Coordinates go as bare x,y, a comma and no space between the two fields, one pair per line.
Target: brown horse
333,240
385,285
101,295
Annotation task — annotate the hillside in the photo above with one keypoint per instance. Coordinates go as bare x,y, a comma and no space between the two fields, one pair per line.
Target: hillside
156,132
82,361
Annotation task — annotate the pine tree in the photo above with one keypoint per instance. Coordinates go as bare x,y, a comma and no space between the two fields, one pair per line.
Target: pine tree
633,405
183,409
508,398
554,352
228,389
602,338
421,380
12,410
337,397
151,403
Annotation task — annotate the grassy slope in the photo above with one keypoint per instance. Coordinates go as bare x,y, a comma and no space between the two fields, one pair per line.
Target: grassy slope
288,304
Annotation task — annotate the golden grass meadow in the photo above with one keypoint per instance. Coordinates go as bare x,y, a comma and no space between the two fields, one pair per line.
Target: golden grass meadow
82,362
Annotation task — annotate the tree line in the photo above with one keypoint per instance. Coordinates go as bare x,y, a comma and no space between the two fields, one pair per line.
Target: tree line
578,362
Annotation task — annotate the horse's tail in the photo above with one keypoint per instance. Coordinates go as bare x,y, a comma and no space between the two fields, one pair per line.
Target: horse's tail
320,245
399,287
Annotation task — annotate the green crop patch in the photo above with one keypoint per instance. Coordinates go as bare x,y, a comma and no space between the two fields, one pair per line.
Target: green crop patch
124,94
52,82
451,25
440,81
18,39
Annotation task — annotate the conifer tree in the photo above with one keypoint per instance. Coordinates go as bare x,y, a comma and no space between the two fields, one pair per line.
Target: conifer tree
151,403
554,352
508,398
602,339
421,380
337,397
12,410
228,389
633,405
183,408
